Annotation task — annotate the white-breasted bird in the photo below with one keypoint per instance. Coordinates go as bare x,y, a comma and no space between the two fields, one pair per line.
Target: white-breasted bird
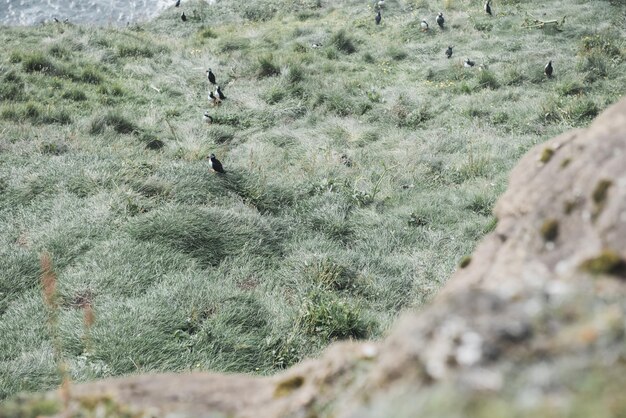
440,20
424,25
214,100
488,7
215,164
208,119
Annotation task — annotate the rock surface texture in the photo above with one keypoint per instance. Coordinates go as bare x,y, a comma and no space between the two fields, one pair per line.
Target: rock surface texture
534,325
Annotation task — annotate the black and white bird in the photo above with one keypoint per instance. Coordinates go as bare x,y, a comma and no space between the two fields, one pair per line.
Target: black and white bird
468,63
220,95
449,52
316,45
488,7
210,76
547,70
424,25
215,101
378,18
215,164
208,119
183,17
177,3
440,20
381,4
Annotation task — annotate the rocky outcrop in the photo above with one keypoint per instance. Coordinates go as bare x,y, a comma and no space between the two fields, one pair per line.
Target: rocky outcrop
534,325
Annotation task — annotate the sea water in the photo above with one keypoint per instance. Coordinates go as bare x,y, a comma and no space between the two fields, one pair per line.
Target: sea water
103,12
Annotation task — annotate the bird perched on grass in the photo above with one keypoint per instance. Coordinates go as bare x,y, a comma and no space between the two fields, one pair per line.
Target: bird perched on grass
215,164
468,63
424,25
440,20
183,17
547,70
449,52
215,101
208,119
177,3
488,7
381,4
378,18
210,76
220,95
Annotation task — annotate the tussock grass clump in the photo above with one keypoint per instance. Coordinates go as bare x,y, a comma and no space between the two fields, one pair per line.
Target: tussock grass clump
90,75
265,197
113,120
295,73
207,33
75,95
60,52
11,87
409,115
328,316
487,79
259,11
267,67
208,235
343,42
331,275
128,50
221,134
577,110
37,62
35,114
232,43
606,43
570,88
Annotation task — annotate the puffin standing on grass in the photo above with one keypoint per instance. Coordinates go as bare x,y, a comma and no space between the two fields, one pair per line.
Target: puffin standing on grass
449,52
219,93
208,119
210,76
183,17
424,25
488,7
215,164
547,70
440,20
215,101
378,18
177,3
468,63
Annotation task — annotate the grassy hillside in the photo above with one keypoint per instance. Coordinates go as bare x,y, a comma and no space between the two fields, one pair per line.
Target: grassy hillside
358,174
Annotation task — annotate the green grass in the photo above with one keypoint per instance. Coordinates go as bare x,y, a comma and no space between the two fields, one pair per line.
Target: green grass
359,174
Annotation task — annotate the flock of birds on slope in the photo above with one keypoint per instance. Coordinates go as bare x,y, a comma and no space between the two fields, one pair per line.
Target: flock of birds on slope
548,69
216,97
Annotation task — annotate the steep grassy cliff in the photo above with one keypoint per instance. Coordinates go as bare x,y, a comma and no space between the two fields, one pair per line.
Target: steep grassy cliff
359,172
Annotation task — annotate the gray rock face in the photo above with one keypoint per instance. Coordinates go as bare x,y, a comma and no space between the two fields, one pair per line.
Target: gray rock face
533,326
